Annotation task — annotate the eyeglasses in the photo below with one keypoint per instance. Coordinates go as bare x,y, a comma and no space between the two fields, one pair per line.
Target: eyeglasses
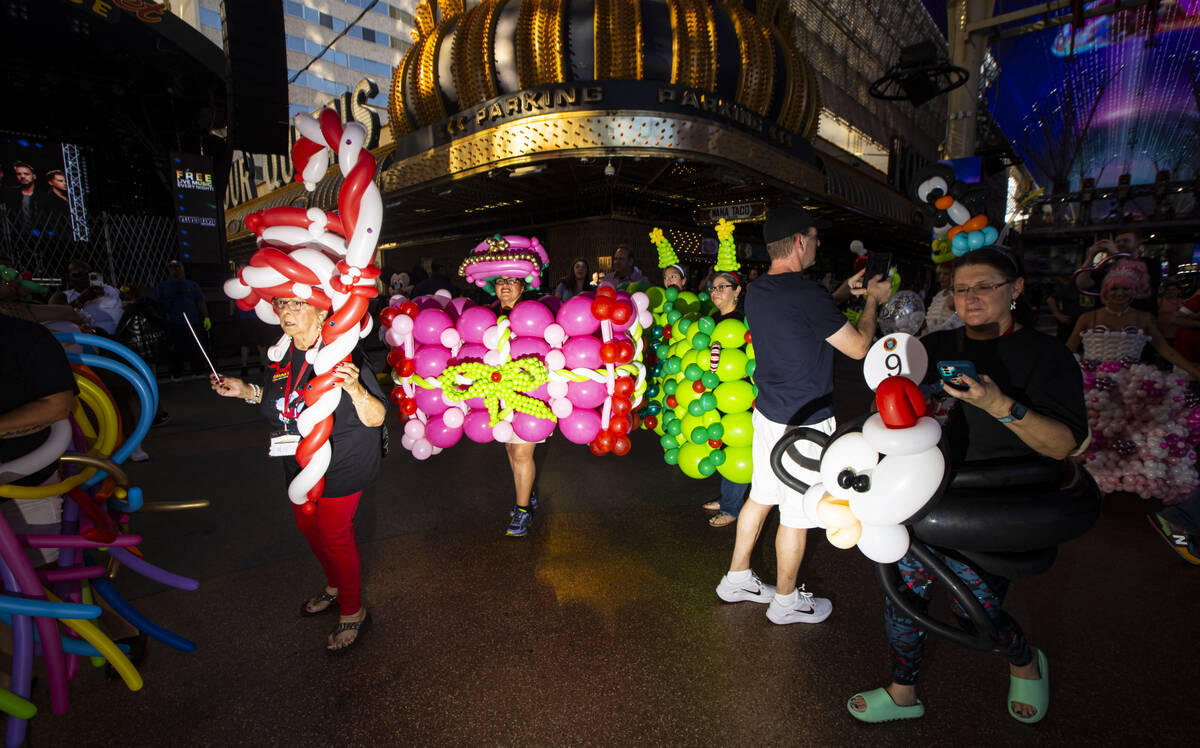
506,282
1126,289
292,305
978,289
722,286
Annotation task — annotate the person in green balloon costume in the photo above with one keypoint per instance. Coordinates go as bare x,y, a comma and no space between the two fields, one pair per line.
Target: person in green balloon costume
726,294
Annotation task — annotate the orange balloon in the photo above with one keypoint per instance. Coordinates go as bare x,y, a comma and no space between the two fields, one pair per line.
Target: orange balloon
953,232
943,202
976,223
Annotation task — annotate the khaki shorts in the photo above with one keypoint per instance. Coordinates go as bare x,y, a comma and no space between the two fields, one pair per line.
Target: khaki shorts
766,488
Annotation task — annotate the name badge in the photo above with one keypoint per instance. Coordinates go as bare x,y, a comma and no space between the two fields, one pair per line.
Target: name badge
283,444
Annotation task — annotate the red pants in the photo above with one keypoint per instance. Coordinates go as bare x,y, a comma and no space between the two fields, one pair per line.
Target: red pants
330,534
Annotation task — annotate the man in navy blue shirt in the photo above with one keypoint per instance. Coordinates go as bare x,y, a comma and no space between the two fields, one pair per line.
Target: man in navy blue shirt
183,298
796,326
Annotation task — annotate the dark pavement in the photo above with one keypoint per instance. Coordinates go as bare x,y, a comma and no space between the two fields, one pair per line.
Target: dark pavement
600,628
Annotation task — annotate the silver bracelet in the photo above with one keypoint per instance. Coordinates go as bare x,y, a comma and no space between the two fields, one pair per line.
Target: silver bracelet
365,396
255,395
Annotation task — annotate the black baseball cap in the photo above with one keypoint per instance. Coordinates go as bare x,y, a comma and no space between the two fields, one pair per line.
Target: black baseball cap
787,220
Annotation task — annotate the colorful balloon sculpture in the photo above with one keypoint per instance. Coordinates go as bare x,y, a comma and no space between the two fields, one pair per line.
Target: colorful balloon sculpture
875,478
956,210
324,258
461,370
100,499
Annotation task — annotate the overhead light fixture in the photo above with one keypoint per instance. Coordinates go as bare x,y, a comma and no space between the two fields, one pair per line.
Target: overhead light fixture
524,171
609,171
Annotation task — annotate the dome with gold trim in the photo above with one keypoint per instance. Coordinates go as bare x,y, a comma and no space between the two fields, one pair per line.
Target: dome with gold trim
467,52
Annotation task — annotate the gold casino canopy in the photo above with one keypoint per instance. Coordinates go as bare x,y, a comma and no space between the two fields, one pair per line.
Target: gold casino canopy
468,52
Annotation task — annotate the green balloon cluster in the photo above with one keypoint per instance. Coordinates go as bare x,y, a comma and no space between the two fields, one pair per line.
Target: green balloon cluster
704,394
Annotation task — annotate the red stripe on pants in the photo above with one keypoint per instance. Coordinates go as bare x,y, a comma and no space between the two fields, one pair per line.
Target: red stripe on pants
330,534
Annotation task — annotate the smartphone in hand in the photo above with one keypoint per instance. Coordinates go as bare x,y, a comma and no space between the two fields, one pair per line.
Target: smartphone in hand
952,373
879,264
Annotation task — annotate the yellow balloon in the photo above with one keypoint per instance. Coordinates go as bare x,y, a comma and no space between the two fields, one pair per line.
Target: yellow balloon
688,303
699,358
685,394
734,397
739,464
739,429
750,350
105,646
689,459
730,333
732,364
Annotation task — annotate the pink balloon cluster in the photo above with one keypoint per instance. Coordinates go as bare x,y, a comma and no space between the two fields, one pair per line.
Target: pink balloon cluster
1145,431
431,333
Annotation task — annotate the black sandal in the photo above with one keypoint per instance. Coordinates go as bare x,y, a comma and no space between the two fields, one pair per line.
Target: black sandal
324,597
360,627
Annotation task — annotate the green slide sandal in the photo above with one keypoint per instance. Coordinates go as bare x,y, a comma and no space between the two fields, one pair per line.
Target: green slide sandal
881,708
1035,693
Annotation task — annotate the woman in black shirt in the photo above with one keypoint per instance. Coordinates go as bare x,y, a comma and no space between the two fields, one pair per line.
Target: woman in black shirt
1026,406
354,457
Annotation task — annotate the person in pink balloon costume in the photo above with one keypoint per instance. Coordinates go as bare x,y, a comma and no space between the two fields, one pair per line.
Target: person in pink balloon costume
517,370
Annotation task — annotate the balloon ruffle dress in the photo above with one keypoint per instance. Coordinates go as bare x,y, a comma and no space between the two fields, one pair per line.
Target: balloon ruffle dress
1145,422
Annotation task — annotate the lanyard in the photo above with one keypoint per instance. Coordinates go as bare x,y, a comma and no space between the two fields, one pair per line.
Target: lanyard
289,411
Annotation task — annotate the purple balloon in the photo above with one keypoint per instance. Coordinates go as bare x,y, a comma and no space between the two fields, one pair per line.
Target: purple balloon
461,304
529,319
428,302
429,323
582,351
473,322
441,435
575,316
586,394
430,402
530,428
475,426
581,426
430,360
471,352
521,347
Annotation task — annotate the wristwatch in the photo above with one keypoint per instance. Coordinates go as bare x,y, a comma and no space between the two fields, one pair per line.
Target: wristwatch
1015,413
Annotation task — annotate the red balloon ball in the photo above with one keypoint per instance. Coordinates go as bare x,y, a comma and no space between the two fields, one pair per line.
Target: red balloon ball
621,445
407,367
396,395
625,352
666,333
623,387
714,443
308,507
621,312
747,337
394,357
651,422
698,386
602,307
621,406
409,308
387,315
408,407
604,440
619,424
672,402
609,352
606,292
597,449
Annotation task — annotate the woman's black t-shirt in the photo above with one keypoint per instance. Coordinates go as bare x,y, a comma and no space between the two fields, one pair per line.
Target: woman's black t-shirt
1035,369
354,461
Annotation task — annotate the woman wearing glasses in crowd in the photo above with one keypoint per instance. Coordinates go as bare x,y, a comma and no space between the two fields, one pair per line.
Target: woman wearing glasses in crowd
1026,407
726,295
354,462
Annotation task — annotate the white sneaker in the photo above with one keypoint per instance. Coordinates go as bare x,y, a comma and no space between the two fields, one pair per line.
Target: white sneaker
752,590
807,609
138,455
